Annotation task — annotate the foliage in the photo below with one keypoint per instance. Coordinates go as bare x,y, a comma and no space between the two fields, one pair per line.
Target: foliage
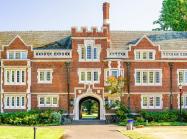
163,116
122,112
32,117
173,15
116,85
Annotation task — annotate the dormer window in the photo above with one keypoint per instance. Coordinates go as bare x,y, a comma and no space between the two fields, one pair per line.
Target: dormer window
16,55
89,51
144,54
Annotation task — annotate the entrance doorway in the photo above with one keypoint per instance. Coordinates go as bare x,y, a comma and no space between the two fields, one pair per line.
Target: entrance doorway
89,108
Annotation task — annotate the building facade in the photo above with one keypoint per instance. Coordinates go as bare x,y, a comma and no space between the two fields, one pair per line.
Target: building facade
57,69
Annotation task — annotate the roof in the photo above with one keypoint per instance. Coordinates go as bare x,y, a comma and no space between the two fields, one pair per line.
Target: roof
119,39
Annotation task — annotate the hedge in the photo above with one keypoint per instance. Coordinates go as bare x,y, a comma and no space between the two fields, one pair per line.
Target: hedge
32,117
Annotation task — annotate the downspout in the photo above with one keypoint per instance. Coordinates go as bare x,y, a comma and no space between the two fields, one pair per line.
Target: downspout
171,85
67,64
128,83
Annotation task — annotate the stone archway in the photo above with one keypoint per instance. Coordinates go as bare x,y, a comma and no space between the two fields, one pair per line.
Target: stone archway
86,95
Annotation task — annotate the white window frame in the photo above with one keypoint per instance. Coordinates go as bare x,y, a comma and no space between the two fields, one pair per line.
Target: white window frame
14,54
51,100
141,51
45,76
21,82
154,101
184,106
148,71
15,101
108,73
85,70
93,46
181,70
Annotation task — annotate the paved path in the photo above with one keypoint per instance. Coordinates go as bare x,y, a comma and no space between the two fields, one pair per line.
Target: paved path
92,132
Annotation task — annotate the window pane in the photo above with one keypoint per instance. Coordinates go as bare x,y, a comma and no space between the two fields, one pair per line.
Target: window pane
157,75
22,101
41,76
115,73
18,55
82,53
18,76
8,76
48,76
18,101
13,74
185,100
89,52
182,101
42,100
145,77
151,101
150,55
137,55
185,77
48,100
95,76
157,101
13,101
138,77
144,55
23,55
89,78
11,55
144,101
23,76
55,100
82,76
181,77
150,77
7,101
95,53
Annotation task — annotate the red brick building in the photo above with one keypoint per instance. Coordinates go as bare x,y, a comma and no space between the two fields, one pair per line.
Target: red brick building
57,69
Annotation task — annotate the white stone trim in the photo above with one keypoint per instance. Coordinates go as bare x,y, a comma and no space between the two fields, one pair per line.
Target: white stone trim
53,53
101,101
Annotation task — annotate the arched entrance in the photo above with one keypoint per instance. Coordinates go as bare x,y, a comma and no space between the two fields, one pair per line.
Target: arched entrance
89,108
86,96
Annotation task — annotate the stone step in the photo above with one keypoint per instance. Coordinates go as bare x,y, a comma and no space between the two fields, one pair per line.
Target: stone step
88,122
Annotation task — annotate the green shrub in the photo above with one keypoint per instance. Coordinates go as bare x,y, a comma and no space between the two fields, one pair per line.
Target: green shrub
32,117
122,112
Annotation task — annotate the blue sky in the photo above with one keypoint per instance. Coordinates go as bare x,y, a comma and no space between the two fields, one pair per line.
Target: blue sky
63,14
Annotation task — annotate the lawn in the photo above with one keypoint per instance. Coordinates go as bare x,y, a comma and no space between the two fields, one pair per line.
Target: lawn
14,132
159,132
91,116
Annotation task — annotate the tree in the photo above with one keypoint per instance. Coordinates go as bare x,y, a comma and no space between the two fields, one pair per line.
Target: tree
173,16
116,86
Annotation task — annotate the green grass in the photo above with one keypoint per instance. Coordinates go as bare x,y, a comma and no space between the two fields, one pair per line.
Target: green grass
87,116
14,132
136,135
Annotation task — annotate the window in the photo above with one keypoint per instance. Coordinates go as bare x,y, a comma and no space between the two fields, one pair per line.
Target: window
89,51
89,75
148,77
151,102
48,101
45,75
112,72
15,76
182,76
14,102
184,101
17,54
144,54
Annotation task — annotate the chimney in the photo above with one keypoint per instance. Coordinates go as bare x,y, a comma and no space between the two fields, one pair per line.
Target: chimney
106,7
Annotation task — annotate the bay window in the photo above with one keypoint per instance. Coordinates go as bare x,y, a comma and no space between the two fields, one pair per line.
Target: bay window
15,76
14,102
